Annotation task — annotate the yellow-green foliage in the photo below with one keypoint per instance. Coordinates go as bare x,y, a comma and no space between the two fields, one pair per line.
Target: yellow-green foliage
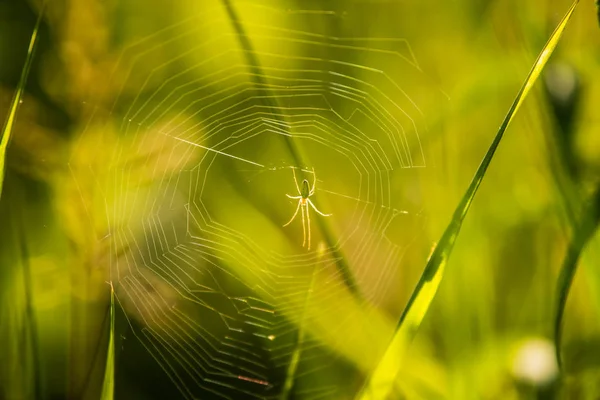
142,247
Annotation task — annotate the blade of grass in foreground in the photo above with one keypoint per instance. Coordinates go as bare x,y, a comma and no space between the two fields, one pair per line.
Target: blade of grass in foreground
12,112
590,218
382,381
108,385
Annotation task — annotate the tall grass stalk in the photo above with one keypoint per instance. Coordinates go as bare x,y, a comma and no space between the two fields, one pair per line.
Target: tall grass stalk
271,101
583,232
9,124
108,385
381,383
300,334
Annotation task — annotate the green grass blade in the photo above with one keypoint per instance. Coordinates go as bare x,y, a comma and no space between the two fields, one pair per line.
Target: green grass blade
300,335
271,101
12,112
108,385
583,232
381,382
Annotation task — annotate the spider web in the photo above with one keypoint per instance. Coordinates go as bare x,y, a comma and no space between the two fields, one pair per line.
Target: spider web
192,165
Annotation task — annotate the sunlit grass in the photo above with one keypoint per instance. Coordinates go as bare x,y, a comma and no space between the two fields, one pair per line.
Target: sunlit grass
8,126
383,378
108,384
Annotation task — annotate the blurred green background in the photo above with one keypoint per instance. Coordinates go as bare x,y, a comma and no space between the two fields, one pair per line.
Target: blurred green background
153,150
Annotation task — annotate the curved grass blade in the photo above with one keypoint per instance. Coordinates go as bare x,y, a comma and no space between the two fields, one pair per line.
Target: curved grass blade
300,335
271,102
12,112
583,232
108,385
381,382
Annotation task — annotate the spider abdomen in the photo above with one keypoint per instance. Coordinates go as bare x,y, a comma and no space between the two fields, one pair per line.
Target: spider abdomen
305,192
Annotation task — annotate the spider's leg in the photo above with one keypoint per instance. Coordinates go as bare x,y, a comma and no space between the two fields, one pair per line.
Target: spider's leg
314,185
315,208
295,213
296,181
293,197
308,226
303,225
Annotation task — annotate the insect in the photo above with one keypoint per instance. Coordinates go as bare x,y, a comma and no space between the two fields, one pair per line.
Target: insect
303,203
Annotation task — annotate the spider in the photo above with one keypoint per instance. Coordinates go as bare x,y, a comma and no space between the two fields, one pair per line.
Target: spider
303,202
